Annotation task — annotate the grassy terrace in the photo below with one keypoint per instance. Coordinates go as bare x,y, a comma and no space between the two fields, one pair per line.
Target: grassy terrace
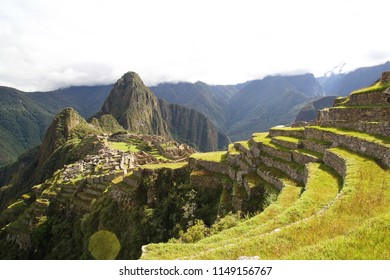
359,107
374,88
318,225
245,144
232,151
260,137
292,164
288,139
309,153
288,128
211,156
277,173
286,198
175,165
268,142
383,140
123,146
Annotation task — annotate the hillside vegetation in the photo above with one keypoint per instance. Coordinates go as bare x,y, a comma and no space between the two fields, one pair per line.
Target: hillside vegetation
315,192
25,116
334,202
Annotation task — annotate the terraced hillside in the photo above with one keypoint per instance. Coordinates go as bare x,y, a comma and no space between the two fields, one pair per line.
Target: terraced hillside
315,192
334,182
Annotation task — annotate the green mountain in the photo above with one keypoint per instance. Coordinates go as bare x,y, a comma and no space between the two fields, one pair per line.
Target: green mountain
138,110
25,117
272,101
241,109
66,140
23,123
209,100
310,111
315,192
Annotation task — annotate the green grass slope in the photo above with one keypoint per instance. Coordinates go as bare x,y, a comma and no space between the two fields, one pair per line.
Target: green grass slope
322,224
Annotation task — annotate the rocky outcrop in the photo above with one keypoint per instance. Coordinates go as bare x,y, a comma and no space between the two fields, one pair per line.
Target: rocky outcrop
192,127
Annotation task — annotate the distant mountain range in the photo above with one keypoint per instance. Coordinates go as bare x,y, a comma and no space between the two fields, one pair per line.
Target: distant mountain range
25,116
235,110
344,83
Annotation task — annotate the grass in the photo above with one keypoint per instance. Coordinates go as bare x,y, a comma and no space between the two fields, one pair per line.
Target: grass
175,165
286,198
359,107
211,156
288,139
123,146
232,151
287,128
374,88
309,153
245,144
358,134
292,164
259,137
154,152
319,225
268,142
253,179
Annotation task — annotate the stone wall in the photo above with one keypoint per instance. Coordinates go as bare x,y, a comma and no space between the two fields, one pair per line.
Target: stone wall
286,168
374,114
211,166
372,98
385,78
286,132
379,128
304,158
315,146
336,162
376,150
285,155
268,177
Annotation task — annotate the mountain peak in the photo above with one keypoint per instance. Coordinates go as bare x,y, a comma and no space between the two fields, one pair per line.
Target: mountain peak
60,131
134,106
130,78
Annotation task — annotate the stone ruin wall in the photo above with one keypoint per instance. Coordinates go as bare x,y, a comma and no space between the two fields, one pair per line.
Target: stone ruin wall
375,114
373,149
385,78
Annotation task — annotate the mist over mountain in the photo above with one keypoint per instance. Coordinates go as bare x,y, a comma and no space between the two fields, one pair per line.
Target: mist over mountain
343,84
236,110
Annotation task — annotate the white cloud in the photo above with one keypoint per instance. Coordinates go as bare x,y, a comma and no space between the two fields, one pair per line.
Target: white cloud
47,43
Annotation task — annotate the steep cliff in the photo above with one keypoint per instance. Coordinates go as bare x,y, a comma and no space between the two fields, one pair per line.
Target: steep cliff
135,106
192,127
138,110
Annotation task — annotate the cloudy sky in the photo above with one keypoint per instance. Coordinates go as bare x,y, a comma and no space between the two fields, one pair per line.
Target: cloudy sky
46,44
